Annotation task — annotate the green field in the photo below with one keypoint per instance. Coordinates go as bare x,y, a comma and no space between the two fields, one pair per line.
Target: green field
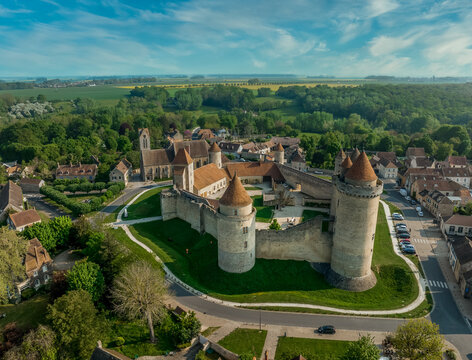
310,214
289,347
106,95
276,280
245,341
264,213
28,314
147,205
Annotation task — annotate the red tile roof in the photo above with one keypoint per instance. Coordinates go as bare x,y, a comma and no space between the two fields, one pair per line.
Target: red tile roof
182,158
235,194
27,217
361,170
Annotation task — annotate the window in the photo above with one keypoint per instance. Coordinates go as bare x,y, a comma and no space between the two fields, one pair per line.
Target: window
235,212
45,268
452,228
245,244
36,283
460,229
35,274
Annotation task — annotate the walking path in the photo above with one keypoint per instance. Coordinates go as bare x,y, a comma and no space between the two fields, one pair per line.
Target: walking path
136,221
172,278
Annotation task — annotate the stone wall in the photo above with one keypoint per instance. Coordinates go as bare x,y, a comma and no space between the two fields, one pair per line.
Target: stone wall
209,221
305,241
310,185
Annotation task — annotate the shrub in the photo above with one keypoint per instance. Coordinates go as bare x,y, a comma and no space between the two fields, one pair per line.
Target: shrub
451,355
119,341
28,293
201,355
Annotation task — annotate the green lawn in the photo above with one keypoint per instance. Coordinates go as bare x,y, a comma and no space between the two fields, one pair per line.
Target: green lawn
289,347
310,214
120,235
264,213
393,208
324,177
276,280
254,188
244,341
136,337
147,205
27,314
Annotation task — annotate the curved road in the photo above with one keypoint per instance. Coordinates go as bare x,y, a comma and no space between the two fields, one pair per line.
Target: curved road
445,313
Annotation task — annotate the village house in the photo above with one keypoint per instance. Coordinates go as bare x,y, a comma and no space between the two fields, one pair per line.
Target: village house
460,175
11,199
38,266
204,134
285,141
387,169
414,153
412,174
174,135
122,172
460,259
457,162
457,225
21,220
438,204
446,187
231,148
77,171
29,185
297,161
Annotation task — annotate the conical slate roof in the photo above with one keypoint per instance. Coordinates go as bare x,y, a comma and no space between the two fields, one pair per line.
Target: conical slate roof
347,163
182,158
214,148
361,170
279,147
355,154
235,194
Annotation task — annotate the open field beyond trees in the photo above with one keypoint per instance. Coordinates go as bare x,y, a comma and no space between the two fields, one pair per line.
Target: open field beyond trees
276,280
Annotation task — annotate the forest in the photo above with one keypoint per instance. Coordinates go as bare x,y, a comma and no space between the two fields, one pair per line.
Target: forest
372,117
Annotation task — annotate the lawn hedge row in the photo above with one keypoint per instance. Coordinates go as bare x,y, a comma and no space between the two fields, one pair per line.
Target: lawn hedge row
84,186
79,208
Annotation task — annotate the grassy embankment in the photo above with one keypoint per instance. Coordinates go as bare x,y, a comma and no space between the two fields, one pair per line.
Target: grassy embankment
276,280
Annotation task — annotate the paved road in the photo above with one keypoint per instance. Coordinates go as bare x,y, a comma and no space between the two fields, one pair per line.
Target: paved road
445,313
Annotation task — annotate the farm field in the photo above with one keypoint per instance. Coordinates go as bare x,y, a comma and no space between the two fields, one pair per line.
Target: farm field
105,95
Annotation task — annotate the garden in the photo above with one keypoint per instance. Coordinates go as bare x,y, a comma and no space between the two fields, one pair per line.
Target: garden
264,213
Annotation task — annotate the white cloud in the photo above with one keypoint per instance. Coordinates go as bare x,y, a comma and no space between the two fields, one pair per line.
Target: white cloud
380,7
383,45
258,64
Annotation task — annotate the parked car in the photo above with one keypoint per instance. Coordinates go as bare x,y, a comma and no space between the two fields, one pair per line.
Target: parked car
420,213
403,192
413,202
408,198
405,242
397,216
408,249
403,236
418,209
402,231
327,329
400,225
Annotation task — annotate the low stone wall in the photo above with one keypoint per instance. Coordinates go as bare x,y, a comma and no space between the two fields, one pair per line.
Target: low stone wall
305,241
223,352
311,185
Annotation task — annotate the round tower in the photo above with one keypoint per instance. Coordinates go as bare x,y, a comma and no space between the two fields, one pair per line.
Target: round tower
354,155
236,229
357,195
279,154
344,167
338,161
214,153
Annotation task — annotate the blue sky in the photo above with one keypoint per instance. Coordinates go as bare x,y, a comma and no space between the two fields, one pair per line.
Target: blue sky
337,37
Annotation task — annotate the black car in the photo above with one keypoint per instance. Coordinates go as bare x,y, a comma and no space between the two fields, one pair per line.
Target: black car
327,329
402,231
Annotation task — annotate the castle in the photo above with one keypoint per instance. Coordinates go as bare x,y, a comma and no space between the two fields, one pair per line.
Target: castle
341,247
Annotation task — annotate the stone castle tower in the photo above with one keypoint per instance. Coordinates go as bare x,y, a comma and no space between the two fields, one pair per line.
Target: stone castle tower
214,153
144,139
236,228
183,170
338,161
279,154
355,200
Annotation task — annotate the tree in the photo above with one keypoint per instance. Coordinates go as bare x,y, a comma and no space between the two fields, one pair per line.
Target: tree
87,276
362,349
12,254
263,92
38,344
76,323
275,225
418,339
139,292
186,328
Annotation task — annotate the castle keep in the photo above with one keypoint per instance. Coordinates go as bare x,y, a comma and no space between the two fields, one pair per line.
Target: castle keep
341,246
